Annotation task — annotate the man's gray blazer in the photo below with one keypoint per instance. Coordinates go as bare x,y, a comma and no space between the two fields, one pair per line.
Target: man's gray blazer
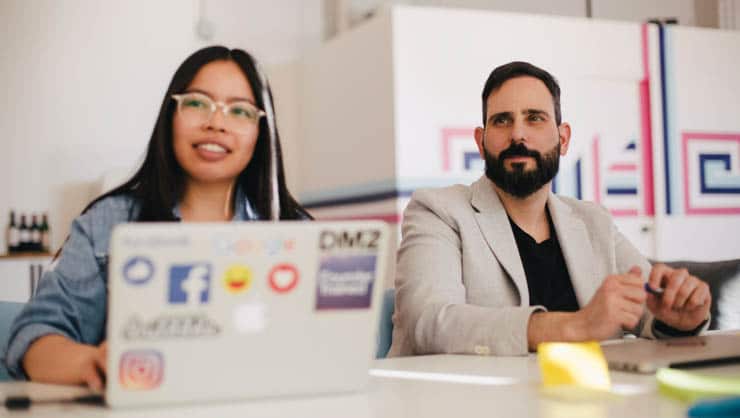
460,284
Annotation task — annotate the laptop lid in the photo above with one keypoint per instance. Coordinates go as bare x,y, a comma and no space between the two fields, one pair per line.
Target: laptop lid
205,312
647,356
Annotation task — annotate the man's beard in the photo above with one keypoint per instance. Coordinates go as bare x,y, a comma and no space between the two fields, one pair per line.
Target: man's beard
518,182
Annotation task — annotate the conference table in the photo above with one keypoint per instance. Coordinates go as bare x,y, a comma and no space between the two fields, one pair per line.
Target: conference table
447,386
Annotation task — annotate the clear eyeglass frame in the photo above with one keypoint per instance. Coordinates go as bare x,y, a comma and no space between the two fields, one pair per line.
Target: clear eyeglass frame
239,116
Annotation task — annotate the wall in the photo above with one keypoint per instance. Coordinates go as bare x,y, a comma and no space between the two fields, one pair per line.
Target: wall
614,102
630,10
699,203
347,100
438,99
361,8
728,14
641,10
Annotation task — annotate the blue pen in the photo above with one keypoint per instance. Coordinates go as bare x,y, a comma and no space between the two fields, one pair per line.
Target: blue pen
656,292
729,407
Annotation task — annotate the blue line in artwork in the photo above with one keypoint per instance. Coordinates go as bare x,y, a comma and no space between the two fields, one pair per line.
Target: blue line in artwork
579,191
704,162
666,133
621,191
470,158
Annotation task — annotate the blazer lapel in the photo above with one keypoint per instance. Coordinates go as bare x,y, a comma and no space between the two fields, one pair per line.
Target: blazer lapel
494,225
577,250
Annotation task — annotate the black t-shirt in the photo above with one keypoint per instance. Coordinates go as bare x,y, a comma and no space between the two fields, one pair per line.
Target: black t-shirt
548,280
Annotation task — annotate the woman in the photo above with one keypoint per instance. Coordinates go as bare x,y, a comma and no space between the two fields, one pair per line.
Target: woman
208,160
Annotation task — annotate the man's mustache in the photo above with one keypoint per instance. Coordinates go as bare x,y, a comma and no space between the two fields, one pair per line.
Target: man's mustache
518,150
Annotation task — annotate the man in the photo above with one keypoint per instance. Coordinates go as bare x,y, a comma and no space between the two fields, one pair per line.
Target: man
502,265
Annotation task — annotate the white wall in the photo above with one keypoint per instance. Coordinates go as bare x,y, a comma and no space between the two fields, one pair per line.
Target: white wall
702,109
275,31
438,90
360,8
83,81
348,109
728,14
631,10
641,10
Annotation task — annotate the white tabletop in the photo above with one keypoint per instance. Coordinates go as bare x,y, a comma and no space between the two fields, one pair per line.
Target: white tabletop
428,386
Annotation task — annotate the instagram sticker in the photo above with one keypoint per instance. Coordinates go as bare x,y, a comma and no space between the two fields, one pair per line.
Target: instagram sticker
141,369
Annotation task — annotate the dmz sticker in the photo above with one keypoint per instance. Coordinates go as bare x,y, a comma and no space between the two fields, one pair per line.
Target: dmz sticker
141,369
345,281
190,284
138,271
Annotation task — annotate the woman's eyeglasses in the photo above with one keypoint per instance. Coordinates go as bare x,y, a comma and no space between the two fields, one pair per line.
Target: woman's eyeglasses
197,108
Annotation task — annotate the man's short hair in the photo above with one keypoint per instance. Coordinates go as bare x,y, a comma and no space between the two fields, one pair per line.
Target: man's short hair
519,69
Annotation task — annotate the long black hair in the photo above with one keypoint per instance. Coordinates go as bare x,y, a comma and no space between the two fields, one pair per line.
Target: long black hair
159,183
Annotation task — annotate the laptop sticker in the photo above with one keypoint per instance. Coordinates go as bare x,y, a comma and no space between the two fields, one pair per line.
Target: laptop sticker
141,369
345,281
250,318
190,284
239,246
138,271
237,279
366,239
171,326
283,278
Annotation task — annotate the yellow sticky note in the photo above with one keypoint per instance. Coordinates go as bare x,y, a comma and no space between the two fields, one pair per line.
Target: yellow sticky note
579,365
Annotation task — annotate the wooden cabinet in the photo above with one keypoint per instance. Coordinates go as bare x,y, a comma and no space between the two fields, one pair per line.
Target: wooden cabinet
20,275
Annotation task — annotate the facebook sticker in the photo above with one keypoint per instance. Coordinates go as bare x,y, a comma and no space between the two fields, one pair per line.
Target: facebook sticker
345,282
190,283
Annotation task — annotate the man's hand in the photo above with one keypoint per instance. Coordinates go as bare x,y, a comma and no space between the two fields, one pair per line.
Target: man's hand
617,305
685,302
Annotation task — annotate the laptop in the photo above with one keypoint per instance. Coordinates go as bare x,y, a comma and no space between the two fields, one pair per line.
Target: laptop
647,356
211,312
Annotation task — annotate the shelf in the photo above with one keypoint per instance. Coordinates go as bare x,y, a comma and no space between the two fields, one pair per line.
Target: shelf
25,255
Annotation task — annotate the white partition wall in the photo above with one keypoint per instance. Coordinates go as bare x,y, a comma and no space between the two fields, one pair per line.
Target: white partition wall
419,101
698,169
442,59
348,148
414,94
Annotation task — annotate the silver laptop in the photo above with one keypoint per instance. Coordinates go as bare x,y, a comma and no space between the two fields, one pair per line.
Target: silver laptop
206,312
647,356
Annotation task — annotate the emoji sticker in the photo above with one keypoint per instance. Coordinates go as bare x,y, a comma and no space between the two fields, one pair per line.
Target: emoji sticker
283,278
237,279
